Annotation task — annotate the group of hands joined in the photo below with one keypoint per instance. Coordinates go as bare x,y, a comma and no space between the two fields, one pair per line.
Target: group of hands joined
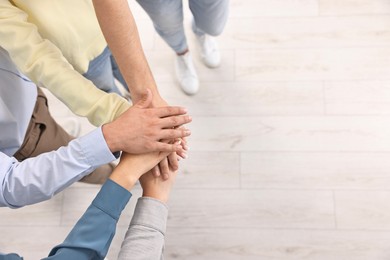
152,140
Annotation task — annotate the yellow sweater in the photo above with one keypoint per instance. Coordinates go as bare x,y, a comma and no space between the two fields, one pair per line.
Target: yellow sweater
52,42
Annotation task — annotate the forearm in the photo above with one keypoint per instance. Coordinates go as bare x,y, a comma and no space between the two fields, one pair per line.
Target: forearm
120,30
44,64
40,178
146,234
93,233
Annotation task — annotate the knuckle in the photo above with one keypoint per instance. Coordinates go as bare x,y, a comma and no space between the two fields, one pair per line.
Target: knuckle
149,145
171,134
154,122
174,120
174,167
172,110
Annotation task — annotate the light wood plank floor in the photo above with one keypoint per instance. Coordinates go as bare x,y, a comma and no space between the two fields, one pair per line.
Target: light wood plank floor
290,153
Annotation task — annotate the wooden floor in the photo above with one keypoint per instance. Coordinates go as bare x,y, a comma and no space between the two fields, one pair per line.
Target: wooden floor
290,152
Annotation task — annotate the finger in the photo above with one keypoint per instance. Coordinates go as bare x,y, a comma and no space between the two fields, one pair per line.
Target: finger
174,121
146,100
173,162
169,111
182,154
172,134
164,147
164,168
156,171
184,144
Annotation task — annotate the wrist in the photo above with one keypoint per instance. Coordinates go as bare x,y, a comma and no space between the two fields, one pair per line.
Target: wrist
123,178
111,138
157,100
160,196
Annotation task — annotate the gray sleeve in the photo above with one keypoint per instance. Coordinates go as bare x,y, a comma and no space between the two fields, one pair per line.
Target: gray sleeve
145,237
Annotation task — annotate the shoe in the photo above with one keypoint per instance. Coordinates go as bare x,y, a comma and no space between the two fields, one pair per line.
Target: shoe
209,51
186,74
71,125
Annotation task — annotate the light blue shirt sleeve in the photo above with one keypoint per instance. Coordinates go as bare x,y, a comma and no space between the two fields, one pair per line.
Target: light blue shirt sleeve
40,178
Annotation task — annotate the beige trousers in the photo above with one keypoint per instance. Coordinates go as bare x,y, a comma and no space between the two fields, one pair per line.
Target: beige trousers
44,134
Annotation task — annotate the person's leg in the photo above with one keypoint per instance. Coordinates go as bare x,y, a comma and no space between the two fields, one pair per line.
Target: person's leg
44,134
100,72
210,18
167,17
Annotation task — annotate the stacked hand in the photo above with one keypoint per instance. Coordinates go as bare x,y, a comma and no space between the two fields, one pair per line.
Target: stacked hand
142,129
133,167
171,162
152,138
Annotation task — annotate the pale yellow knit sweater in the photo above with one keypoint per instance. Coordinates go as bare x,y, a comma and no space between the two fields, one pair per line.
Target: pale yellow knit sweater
52,42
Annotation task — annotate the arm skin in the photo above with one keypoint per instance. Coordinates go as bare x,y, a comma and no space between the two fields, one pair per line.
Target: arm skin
119,29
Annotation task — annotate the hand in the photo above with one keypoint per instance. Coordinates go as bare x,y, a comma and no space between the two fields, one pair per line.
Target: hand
140,128
172,161
157,187
131,167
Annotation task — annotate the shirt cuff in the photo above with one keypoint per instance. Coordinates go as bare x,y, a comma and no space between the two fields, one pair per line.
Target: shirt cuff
95,148
112,199
151,213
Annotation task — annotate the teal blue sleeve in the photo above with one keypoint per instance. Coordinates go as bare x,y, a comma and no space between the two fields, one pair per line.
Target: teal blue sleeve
92,235
10,257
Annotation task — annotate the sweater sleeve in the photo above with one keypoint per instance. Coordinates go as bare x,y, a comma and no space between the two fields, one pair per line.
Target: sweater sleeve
44,64
146,234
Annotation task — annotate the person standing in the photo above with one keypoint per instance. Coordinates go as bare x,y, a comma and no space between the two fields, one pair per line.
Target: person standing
209,20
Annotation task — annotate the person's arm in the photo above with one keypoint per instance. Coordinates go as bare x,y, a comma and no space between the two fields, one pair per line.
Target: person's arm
40,178
93,233
44,64
120,31
10,257
146,234
91,237
145,237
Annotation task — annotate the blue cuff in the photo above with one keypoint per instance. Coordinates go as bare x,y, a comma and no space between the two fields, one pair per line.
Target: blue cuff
111,191
10,257
95,148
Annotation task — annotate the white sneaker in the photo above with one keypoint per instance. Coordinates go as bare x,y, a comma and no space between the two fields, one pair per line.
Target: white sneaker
209,51
71,125
186,74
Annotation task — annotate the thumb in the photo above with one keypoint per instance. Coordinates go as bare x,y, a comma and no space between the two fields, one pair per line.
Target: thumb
146,100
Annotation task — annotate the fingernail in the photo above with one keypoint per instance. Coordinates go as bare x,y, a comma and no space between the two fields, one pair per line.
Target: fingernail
185,156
